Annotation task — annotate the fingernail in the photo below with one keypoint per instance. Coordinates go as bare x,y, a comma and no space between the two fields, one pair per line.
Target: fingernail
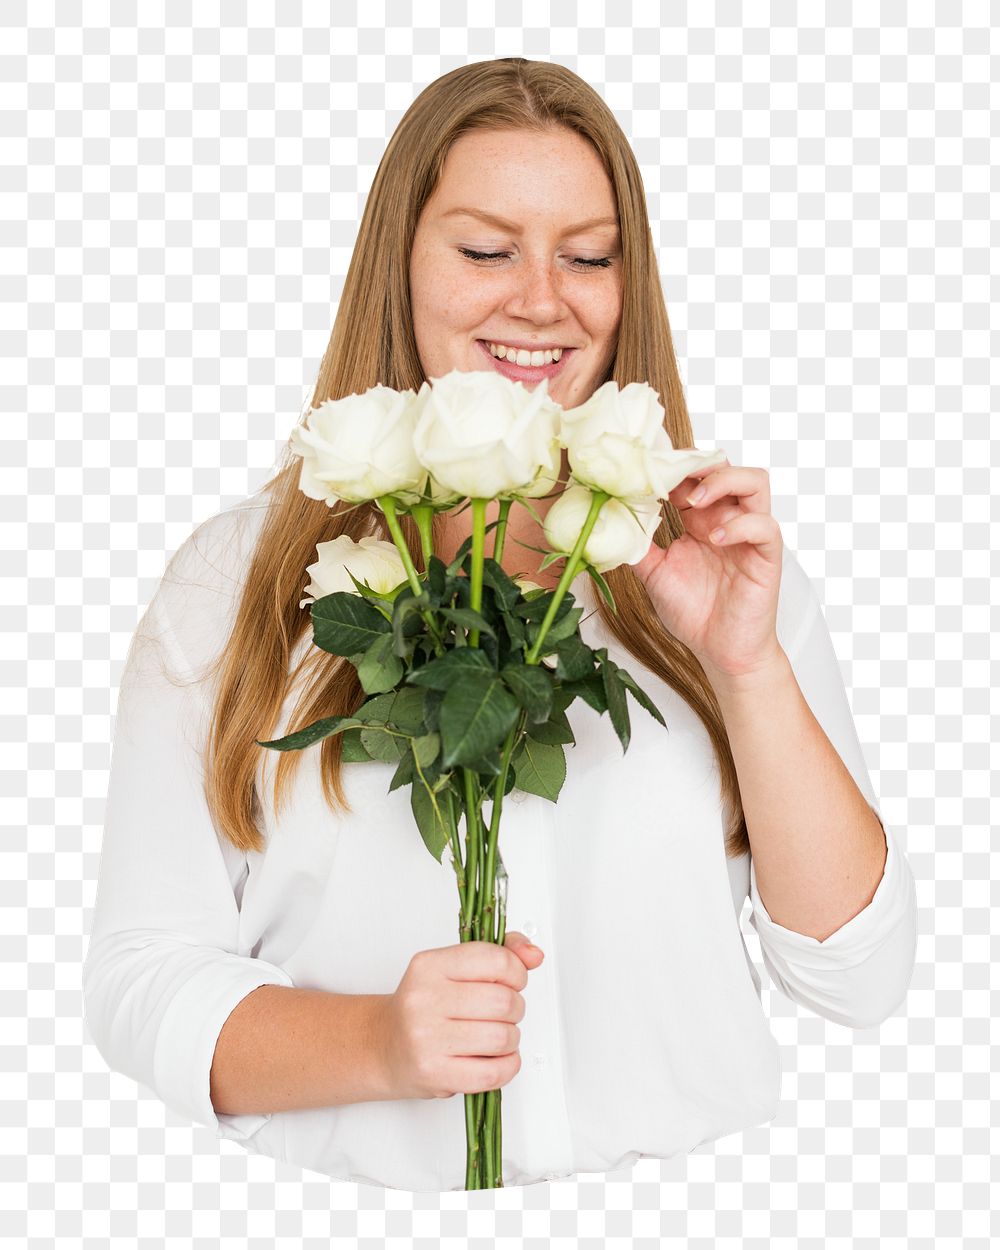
696,495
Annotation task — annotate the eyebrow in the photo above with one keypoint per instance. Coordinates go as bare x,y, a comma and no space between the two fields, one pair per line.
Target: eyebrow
504,224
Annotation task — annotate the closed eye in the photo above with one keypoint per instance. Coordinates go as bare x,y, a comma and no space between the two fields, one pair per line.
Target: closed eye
489,258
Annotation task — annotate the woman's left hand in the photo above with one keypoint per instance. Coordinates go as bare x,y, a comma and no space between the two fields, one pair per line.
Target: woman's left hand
720,598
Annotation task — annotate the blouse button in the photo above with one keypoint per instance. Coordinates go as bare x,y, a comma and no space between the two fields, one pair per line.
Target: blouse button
529,929
538,1061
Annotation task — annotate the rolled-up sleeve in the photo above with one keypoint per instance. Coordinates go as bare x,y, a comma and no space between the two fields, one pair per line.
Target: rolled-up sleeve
859,975
164,968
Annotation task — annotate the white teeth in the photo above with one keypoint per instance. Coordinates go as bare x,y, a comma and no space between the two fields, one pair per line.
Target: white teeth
523,357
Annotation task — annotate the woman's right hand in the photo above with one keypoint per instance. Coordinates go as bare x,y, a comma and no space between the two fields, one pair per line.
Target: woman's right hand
451,1025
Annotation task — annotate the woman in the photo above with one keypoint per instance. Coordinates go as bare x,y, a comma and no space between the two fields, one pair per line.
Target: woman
279,961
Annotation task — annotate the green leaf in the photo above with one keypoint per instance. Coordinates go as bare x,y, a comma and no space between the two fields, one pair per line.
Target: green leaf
515,628
575,659
590,689
382,744
531,687
629,682
406,710
461,553
401,710
429,812
511,781
352,749
468,619
376,709
380,668
425,749
315,732
443,672
475,717
405,773
432,709
556,729
372,596
346,624
603,587
406,620
541,768
564,626
535,608
614,689
505,589
437,578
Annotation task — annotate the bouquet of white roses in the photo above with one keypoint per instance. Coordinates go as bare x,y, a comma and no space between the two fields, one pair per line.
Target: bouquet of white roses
451,659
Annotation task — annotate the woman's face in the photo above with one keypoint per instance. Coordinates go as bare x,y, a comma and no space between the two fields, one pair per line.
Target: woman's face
544,195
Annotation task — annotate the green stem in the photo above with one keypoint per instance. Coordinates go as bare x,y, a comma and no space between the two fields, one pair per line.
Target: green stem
489,1111
388,506
486,901
476,575
499,1096
466,891
490,1137
472,1138
482,1110
448,809
469,903
597,501
466,894
423,514
479,1153
500,533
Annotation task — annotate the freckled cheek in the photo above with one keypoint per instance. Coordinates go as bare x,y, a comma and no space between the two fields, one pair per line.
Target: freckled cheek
439,303
611,320
460,306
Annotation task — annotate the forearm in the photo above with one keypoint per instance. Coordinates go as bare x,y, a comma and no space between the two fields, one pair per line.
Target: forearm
285,1049
818,848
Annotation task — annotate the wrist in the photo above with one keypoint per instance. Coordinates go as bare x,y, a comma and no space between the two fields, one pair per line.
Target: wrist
383,1085
768,673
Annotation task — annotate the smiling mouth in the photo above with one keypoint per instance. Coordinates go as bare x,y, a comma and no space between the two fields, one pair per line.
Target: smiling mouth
525,373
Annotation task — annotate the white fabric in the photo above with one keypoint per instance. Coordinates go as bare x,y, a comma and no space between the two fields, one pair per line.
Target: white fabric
644,1033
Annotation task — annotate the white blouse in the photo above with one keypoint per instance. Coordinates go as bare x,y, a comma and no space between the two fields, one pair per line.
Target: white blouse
644,1032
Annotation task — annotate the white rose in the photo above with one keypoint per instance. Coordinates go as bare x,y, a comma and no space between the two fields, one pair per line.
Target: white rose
486,437
440,496
618,536
360,447
616,442
373,561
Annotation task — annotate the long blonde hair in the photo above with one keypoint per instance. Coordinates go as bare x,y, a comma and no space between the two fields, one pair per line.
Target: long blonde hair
373,342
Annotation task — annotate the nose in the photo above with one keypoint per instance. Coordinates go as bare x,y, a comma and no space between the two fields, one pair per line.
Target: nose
536,292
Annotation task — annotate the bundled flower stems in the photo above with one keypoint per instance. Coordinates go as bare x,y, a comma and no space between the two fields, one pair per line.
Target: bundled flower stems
468,672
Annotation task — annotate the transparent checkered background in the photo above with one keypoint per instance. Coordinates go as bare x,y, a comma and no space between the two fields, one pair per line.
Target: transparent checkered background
179,205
